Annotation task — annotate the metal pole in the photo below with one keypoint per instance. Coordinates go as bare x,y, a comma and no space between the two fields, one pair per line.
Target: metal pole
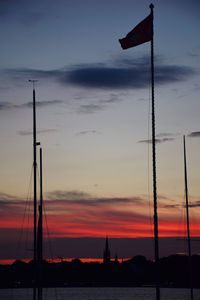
41,206
34,191
40,233
156,244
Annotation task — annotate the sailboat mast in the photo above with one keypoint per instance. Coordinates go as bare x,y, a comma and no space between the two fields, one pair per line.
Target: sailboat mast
40,234
41,210
188,219
34,191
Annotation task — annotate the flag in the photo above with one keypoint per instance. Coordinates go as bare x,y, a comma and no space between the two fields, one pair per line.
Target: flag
140,34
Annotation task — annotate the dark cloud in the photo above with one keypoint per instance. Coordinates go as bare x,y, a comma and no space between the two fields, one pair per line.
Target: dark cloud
71,198
82,198
27,132
41,103
195,204
161,138
7,197
170,206
12,204
8,105
72,195
158,141
194,134
125,77
119,74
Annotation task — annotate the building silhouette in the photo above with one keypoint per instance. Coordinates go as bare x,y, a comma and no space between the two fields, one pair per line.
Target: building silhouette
106,253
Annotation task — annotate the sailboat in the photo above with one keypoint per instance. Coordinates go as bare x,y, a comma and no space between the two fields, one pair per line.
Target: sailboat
188,221
37,217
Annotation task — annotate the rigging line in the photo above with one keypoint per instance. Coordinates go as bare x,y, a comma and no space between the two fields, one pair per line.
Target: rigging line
21,231
193,218
49,240
186,252
184,231
181,227
28,238
180,220
26,212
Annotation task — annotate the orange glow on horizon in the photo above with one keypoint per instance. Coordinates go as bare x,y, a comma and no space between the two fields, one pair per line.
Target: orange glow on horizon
63,259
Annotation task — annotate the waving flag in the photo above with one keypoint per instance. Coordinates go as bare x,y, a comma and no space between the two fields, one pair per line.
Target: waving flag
140,34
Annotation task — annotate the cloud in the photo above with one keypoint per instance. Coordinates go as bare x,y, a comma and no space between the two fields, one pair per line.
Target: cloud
124,75
161,138
27,132
41,103
86,197
158,141
12,204
7,197
89,103
89,108
86,132
195,204
113,98
8,105
194,134
65,195
77,214
117,74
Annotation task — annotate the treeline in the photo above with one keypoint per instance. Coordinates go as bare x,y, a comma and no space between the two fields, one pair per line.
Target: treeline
138,271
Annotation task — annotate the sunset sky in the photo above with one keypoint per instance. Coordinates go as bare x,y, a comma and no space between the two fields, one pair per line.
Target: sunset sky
93,119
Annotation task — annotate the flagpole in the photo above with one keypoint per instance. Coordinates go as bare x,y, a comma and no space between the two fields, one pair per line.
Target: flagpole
156,244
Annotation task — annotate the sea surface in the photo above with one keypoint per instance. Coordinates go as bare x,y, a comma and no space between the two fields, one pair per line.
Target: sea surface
100,294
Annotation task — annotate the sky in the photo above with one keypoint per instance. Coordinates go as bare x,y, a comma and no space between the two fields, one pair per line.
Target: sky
94,123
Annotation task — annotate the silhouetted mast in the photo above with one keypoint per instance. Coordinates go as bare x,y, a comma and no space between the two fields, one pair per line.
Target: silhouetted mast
34,191
188,220
156,244
40,234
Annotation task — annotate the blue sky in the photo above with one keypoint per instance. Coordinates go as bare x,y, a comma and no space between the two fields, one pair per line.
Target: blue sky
93,107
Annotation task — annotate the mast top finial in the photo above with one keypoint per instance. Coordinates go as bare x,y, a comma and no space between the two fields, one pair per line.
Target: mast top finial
33,81
151,6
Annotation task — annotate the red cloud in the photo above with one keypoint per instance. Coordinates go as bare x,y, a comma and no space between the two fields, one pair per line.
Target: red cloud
96,217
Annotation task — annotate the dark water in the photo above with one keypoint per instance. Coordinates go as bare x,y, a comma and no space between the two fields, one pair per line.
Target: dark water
100,294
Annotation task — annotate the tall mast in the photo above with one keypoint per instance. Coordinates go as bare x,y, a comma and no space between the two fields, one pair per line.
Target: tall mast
40,234
188,220
156,244
34,190
40,222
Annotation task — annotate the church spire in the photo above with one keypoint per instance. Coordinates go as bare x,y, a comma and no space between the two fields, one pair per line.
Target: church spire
106,253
